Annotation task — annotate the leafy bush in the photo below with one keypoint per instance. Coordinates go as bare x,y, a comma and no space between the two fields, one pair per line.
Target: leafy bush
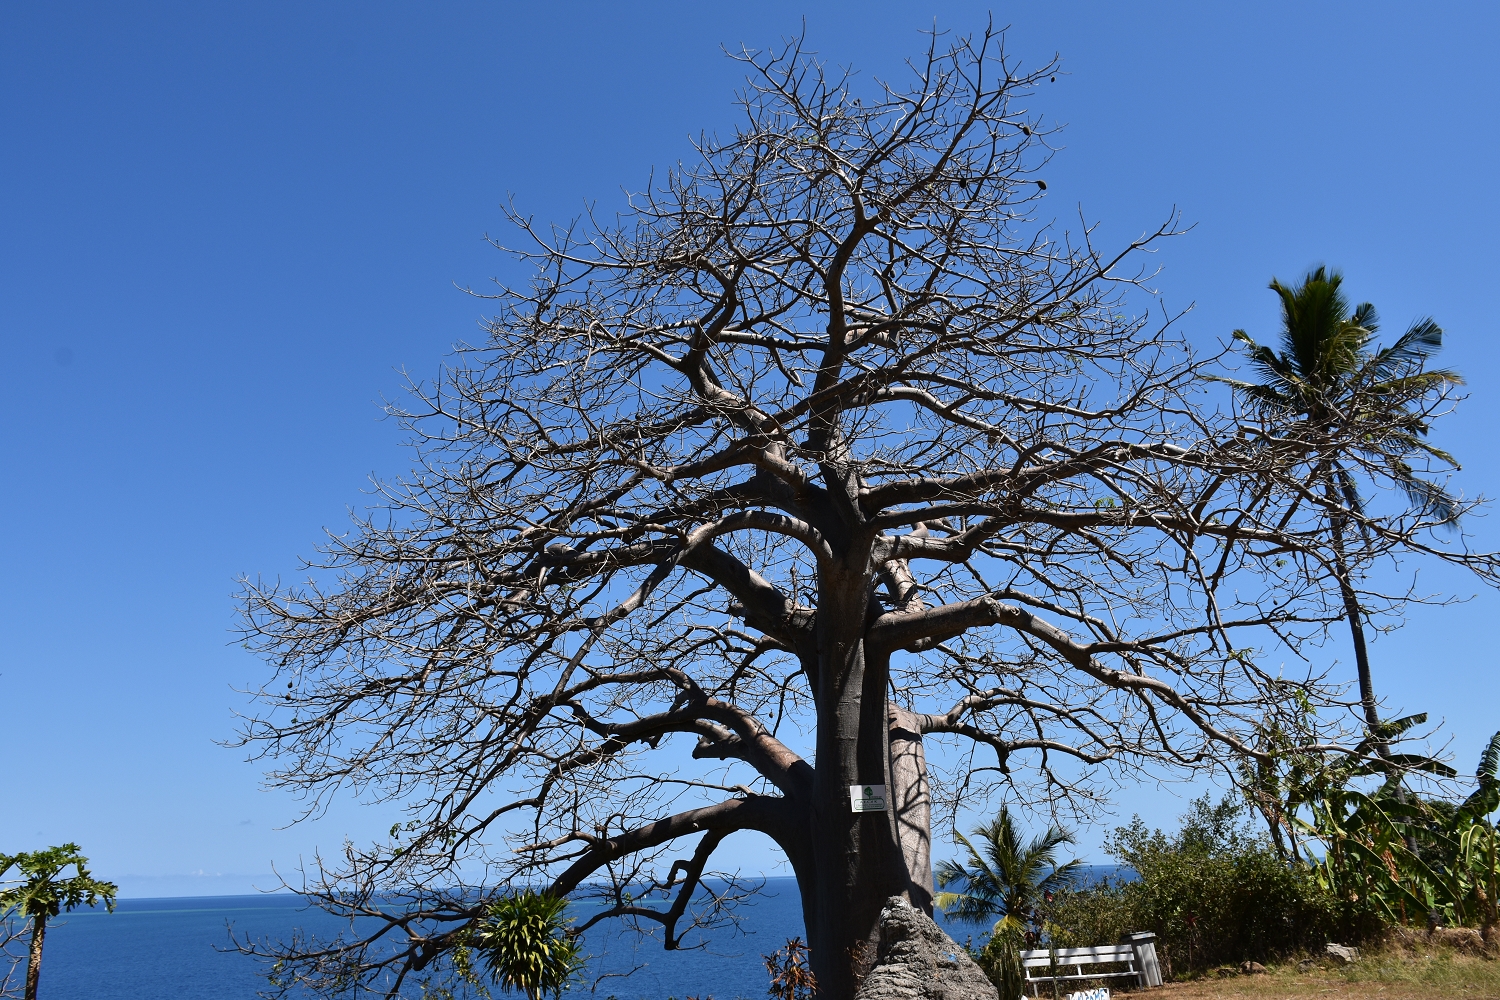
1083,916
1214,893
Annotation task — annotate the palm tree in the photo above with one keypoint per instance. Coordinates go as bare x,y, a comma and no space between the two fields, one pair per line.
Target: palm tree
1007,879
38,893
1331,392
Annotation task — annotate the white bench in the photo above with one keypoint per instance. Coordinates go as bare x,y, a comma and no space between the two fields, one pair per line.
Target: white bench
1076,959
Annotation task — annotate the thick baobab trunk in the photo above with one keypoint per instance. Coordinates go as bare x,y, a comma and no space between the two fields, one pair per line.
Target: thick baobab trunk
911,802
34,960
856,863
887,852
858,860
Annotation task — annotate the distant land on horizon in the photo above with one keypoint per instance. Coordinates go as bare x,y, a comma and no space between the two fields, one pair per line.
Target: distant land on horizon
194,884
220,884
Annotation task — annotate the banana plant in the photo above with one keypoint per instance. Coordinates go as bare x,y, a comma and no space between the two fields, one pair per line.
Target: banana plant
1474,860
1383,847
1405,856
1369,852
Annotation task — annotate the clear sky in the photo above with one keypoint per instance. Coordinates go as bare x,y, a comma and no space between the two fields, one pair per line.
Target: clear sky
225,227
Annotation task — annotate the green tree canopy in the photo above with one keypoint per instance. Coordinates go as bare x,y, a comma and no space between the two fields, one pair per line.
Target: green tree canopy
1329,394
1007,878
1004,877
38,892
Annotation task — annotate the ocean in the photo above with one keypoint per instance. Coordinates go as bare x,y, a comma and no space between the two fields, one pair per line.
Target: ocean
173,949
170,949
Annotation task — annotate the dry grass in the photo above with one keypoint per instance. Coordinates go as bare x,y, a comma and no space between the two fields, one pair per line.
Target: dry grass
1396,973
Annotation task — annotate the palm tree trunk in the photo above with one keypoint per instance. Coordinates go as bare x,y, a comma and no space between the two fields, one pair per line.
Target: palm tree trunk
34,961
1355,616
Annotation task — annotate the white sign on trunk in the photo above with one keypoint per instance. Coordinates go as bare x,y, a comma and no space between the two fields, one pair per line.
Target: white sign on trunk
867,798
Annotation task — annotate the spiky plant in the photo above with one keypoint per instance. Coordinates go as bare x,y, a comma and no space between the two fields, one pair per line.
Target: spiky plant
523,940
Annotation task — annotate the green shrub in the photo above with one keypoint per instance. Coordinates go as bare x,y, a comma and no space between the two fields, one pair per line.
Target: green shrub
1215,893
1095,914
1000,958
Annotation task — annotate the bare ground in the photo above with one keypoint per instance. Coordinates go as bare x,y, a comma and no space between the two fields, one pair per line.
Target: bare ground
1390,975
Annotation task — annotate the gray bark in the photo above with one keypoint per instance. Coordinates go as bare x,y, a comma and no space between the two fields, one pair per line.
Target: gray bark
916,960
911,805
34,960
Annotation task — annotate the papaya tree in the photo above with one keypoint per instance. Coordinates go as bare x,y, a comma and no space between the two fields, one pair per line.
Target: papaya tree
33,890
826,448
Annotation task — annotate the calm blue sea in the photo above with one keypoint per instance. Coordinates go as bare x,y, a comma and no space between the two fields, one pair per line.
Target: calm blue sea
167,949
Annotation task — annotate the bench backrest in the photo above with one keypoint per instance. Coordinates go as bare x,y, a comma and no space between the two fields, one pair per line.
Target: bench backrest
1040,957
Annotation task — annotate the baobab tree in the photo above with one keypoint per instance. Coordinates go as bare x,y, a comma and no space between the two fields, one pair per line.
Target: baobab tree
823,449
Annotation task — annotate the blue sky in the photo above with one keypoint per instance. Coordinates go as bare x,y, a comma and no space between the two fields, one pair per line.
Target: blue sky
226,227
